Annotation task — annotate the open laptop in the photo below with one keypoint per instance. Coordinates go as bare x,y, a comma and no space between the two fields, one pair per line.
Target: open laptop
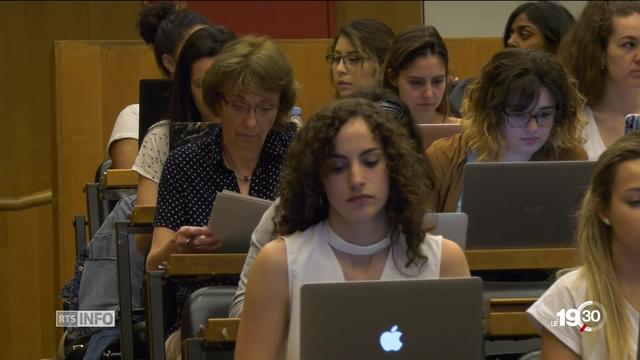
523,204
452,226
432,132
406,319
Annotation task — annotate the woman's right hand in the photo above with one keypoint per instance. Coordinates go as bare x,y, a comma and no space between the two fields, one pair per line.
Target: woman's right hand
194,239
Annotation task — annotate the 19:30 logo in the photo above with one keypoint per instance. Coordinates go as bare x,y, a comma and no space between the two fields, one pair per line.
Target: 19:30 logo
588,317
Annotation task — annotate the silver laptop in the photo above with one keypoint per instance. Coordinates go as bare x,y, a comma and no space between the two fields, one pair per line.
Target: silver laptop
410,319
432,132
523,204
452,226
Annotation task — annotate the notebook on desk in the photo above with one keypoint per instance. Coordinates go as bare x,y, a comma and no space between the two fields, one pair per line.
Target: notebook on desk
233,218
409,319
523,204
432,132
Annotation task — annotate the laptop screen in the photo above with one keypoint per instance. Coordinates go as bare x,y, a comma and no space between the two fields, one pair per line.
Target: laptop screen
410,319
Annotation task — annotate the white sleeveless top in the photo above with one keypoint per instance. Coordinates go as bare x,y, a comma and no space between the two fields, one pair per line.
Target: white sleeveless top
310,259
594,146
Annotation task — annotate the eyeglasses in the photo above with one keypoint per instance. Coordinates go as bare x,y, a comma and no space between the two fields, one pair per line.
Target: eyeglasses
350,61
241,108
518,119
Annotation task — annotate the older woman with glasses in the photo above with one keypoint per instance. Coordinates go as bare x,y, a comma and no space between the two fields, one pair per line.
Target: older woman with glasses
356,56
251,89
523,107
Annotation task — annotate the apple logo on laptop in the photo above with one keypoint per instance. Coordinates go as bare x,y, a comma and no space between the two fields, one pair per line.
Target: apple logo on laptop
390,340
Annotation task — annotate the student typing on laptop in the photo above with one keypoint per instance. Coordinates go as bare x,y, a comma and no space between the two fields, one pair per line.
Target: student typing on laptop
523,107
608,241
350,209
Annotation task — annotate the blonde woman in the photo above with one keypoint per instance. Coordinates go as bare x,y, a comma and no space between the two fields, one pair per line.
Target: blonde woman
609,245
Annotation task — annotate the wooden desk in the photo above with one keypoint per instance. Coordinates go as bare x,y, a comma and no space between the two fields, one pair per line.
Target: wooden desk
516,259
508,318
204,264
120,178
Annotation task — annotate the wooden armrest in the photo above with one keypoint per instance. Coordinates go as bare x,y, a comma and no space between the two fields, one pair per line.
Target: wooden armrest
143,215
221,330
118,178
204,264
513,259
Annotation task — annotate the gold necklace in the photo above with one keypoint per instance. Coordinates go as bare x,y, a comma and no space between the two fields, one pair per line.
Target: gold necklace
241,178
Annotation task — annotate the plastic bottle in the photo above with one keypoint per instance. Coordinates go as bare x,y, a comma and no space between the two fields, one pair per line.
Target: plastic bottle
296,115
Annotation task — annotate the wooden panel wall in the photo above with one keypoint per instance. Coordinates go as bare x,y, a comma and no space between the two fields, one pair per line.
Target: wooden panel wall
467,56
28,263
398,15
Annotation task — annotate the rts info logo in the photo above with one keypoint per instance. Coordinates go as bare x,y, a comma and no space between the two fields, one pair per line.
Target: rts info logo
390,340
588,317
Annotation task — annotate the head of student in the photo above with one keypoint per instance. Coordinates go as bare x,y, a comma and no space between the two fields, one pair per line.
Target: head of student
197,55
608,231
523,106
539,25
352,164
601,50
251,89
166,25
356,55
416,69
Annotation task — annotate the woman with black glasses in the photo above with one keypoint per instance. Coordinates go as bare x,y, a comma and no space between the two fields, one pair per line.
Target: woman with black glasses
523,107
356,56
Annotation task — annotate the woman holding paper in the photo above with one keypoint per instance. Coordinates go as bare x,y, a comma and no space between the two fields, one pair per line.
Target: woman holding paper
251,89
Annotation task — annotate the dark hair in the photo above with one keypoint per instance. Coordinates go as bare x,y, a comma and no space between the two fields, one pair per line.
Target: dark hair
369,37
391,103
513,78
303,201
583,48
552,19
413,43
165,24
253,64
204,42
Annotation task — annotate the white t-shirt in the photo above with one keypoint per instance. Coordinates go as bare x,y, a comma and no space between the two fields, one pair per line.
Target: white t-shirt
594,146
310,259
569,292
126,126
153,152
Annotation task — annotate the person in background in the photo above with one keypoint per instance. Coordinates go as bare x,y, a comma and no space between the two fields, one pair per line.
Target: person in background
165,25
356,56
607,240
187,106
265,231
417,68
539,25
252,90
523,107
602,52
350,209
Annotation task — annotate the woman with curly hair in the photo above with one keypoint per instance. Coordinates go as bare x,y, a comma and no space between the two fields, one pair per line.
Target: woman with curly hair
523,107
607,237
350,209
601,52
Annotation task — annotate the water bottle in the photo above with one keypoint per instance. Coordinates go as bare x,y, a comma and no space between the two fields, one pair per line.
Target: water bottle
296,116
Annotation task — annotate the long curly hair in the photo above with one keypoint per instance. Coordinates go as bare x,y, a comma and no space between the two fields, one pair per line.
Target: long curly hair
303,201
513,78
594,244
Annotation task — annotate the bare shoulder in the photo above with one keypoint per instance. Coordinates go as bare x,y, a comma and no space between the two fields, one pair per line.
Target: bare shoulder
272,258
453,262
